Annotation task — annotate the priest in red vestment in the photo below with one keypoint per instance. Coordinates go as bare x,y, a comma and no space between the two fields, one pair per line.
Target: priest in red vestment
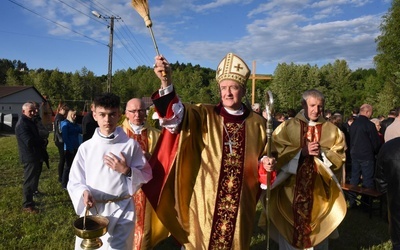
148,229
205,167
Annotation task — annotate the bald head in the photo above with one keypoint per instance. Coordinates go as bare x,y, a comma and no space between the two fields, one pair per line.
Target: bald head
135,111
366,110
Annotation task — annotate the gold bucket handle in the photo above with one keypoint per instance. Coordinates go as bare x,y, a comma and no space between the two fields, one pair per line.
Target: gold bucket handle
87,214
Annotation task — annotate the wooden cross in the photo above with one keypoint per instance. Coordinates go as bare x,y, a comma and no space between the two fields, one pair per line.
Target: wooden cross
255,77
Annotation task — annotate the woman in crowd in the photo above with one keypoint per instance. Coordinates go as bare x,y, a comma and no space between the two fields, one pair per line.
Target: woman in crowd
62,111
70,135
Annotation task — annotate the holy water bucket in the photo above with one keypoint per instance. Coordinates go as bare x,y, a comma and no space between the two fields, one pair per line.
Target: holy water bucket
90,228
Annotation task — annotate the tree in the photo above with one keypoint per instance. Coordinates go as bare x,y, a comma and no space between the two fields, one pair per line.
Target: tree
290,81
387,59
5,65
336,79
12,78
388,44
121,85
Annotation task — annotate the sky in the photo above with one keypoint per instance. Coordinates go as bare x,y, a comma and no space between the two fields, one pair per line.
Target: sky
65,35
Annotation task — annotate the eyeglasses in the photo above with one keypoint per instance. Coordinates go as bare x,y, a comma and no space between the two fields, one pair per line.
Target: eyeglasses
139,111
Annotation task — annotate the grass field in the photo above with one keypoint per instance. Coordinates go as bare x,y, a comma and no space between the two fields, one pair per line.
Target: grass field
52,227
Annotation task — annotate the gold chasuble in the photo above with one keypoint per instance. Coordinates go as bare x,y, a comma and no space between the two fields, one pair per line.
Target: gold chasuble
148,228
210,191
308,205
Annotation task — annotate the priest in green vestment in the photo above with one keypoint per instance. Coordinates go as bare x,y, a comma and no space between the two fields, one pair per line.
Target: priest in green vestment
307,203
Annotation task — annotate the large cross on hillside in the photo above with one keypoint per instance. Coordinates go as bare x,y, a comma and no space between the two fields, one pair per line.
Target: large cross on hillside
255,77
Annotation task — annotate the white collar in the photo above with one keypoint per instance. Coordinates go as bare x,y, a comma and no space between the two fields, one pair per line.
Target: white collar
235,112
137,129
110,136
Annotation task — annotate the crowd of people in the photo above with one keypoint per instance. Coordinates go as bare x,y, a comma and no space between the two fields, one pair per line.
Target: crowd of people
200,177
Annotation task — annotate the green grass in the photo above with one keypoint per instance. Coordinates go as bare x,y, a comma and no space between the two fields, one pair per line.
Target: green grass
52,227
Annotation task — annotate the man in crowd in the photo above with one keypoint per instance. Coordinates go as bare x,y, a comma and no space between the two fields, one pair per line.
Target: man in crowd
388,169
393,130
386,122
148,229
44,134
89,125
328,114
307,203
256,108
205,168
354,112
32,153
364,145
291,113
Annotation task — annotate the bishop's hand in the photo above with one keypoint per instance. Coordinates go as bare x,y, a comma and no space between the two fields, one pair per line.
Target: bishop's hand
162,68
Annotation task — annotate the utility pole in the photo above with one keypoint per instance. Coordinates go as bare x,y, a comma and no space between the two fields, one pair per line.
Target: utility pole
110,54
110,45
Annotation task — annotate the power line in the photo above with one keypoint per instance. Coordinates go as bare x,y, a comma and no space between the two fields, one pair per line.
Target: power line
126,41
124,35
127,49
135,42
90,16
59,24
127,44
105,9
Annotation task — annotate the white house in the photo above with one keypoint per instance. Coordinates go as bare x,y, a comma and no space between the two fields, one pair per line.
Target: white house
11,100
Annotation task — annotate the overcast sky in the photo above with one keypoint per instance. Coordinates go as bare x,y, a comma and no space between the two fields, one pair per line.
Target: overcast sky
64,34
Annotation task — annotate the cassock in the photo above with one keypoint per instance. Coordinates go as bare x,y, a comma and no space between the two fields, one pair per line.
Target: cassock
112,190
205,187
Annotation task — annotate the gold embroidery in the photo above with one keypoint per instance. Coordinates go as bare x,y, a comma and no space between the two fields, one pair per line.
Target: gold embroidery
140,204
303,193
231,130
230,183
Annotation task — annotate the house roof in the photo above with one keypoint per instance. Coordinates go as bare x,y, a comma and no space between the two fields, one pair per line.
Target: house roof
10,90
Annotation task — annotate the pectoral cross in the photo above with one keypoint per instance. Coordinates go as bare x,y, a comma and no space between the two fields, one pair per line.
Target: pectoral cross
230,143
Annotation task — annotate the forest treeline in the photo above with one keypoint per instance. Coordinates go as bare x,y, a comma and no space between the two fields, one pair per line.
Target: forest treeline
344,89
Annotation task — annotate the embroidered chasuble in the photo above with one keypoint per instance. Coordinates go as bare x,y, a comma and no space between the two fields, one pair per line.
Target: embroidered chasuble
148,228
209,192
139,198
308,204
303,192
229,185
